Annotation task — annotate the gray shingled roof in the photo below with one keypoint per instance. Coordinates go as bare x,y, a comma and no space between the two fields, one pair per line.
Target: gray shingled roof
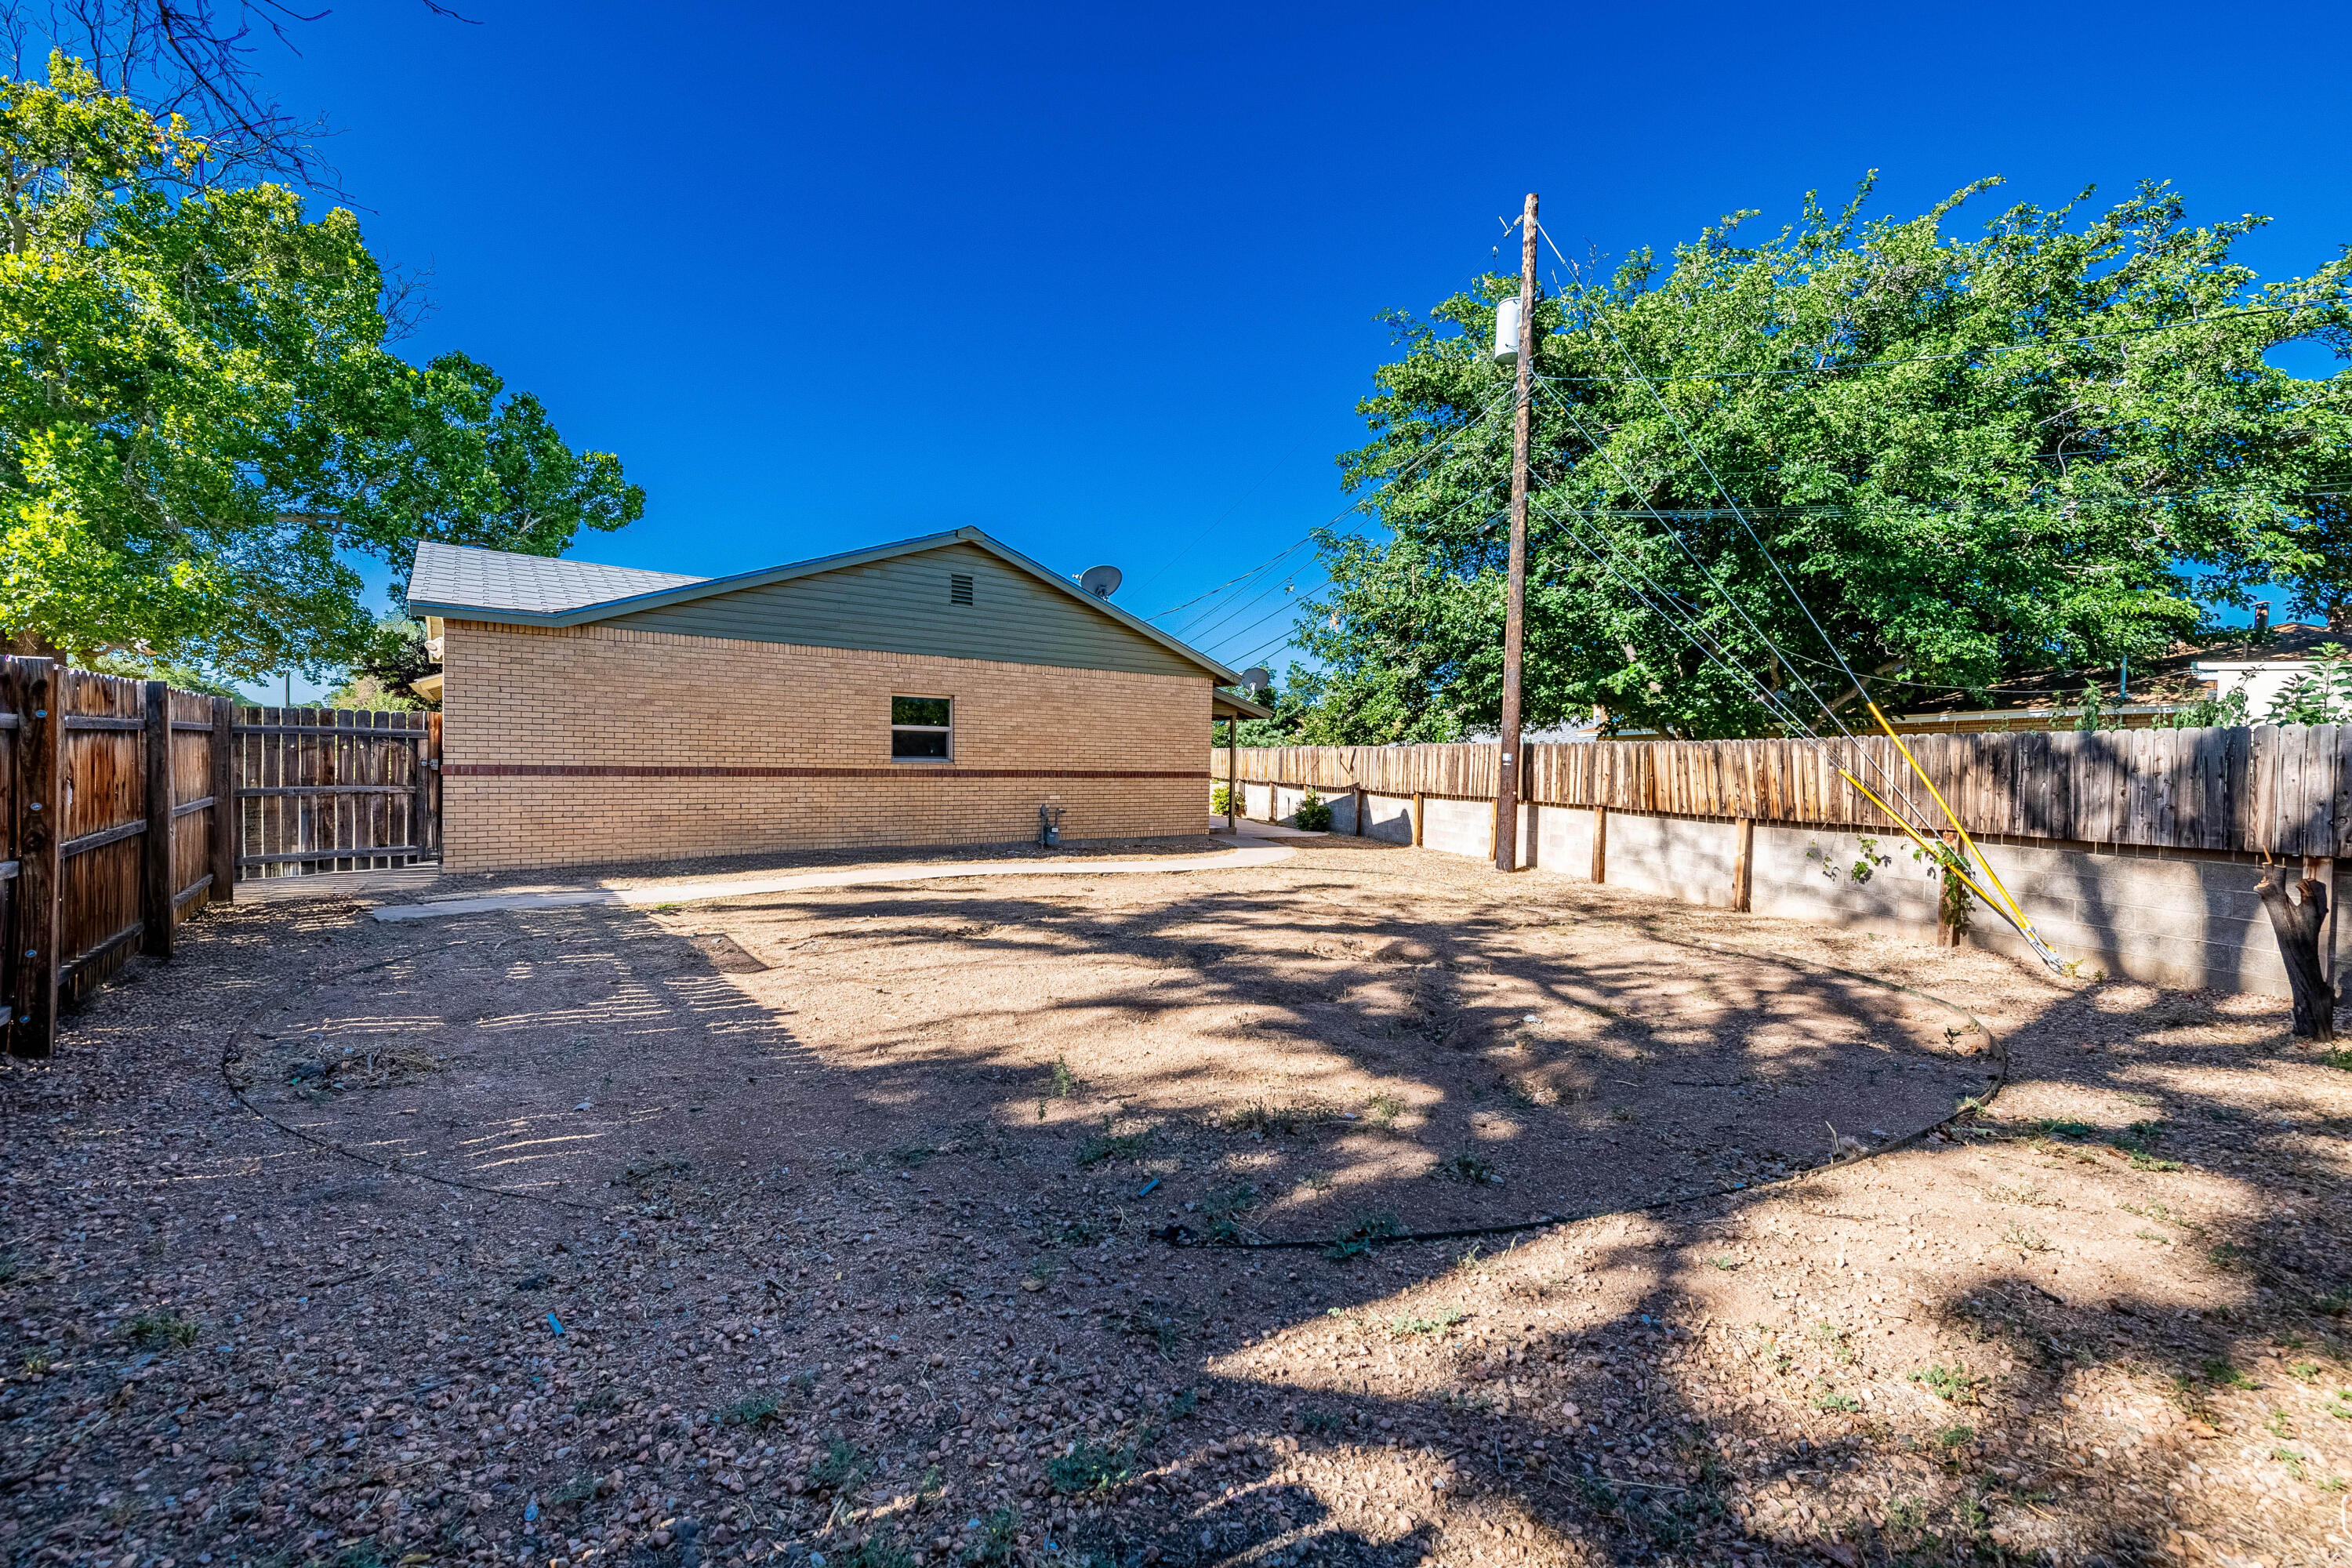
502,580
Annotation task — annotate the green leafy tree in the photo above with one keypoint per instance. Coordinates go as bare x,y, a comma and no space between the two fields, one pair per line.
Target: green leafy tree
1285,729
200,418
385,675
2057,444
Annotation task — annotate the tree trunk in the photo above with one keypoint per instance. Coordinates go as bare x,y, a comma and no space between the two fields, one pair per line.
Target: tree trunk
2297,927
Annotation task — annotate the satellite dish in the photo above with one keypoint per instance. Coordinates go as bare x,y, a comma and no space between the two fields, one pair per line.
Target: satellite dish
1102,581
1256,679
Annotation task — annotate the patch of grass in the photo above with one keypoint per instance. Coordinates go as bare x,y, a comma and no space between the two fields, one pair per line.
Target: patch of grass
1952,1384
1224,1207
1400,1327
1090,1467
2339,1404
2225,1257
2025,1238
876,1551
1621,1114
2291,1459
841,1469
2221,1375
1106,1146
1466,1166
913,1154
1383,1108
1043,1270
2335,1303
579,1488
1164,1332
2052,1127
161,1329
2032,1197
1839,1340
1956,1437
1183,1404
1063,1083
1359,1238
2305,1371
38,1364
1842,1402
752,1410
1725,1264
2340,1057
1321,1420
999,1539
1271,1117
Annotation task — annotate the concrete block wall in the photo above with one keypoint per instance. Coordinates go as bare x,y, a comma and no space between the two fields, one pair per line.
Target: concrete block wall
598,744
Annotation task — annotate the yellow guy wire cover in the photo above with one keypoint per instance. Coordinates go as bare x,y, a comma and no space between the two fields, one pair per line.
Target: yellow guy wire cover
2018,915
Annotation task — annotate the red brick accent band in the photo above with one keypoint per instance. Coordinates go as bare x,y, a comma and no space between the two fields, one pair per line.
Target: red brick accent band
905,770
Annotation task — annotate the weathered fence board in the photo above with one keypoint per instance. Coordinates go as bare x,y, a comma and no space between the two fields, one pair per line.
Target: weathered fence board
2285,790
126,806
331,789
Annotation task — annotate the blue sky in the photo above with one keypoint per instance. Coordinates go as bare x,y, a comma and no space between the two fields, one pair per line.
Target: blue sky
1104,281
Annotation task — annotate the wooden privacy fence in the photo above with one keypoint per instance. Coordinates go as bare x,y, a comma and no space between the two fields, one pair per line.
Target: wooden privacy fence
126,806
2283,789
334,789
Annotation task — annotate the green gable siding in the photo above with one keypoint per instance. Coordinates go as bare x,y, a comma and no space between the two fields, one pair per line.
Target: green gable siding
901,606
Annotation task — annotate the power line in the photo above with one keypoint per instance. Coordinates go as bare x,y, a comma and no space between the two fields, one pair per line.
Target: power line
1360,506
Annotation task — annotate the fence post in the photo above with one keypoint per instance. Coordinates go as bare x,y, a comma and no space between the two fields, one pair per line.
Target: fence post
1743,864
1600,843
228,821
1417,813
420,809
34,691
1360,810
156,847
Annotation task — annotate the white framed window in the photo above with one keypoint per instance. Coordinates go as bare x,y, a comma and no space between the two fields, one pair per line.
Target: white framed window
922,728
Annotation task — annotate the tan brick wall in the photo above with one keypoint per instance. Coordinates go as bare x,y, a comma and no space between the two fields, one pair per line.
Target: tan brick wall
603,698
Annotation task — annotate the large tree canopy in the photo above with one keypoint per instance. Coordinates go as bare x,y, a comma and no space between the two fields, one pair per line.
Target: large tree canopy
199,415
2059,444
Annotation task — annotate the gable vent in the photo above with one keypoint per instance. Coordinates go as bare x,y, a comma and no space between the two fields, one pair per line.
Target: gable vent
959,588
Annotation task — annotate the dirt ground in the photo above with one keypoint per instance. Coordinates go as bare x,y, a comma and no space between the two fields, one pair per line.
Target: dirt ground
1117,1220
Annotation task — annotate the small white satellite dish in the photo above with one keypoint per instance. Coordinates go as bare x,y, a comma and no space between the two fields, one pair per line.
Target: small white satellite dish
1256,679
1102,581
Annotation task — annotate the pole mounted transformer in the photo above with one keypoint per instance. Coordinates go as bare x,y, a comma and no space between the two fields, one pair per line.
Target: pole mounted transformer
1515,321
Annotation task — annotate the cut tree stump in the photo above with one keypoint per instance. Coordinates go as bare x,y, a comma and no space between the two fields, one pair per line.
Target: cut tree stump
2298,927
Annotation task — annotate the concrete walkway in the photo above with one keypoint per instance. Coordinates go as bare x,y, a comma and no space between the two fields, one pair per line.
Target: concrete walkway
742,886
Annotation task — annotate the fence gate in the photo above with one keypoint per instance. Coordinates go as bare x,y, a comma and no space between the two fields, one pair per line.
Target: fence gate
331,789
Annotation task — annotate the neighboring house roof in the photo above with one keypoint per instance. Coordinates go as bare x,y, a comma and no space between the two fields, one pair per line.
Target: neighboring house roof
456,583
501,580
2180,675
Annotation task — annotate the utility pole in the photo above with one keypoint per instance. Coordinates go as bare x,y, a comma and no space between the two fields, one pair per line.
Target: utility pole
1507,777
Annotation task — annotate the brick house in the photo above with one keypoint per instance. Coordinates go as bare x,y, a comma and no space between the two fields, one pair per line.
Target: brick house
935,691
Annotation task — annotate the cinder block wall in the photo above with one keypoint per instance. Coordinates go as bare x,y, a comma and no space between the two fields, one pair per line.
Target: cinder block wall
600,744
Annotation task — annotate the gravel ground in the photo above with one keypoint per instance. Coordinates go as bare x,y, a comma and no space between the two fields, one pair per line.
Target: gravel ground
928,1224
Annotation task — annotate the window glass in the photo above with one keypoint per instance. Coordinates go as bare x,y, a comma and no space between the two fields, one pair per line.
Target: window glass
920,727
920,711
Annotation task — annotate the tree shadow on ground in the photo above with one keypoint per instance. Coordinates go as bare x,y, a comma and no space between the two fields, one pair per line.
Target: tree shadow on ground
684,1076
